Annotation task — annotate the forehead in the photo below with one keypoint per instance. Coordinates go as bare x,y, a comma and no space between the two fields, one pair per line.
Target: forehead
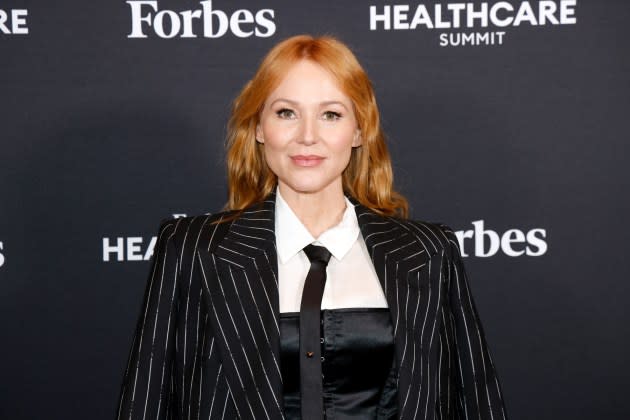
308,81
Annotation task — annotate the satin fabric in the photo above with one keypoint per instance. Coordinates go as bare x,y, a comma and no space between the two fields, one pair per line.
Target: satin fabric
207,342
357,364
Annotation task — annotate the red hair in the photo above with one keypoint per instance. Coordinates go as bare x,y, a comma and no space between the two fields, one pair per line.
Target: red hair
368,176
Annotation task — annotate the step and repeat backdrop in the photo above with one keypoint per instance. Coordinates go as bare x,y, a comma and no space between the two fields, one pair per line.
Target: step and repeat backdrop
507,120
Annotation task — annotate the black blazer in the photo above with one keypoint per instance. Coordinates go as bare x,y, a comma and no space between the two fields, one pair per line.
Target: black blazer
207,341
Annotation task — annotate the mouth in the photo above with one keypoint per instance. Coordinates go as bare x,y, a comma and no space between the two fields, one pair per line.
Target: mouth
307,160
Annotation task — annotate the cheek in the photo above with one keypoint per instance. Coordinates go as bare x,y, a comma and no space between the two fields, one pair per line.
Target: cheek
269,152
274,147
272,152
343,141
276,135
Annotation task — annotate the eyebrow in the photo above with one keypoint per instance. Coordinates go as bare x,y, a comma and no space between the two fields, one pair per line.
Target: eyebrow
295,103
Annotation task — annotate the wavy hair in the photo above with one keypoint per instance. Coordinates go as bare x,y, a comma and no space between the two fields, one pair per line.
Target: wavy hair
368,177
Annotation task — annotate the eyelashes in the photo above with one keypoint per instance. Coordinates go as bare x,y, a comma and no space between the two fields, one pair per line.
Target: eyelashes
285,114
331,116
289,114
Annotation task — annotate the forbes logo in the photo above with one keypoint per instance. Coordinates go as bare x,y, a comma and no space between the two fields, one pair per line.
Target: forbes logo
208,21
513,242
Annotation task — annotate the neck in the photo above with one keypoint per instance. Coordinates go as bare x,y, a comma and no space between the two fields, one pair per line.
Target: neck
317,211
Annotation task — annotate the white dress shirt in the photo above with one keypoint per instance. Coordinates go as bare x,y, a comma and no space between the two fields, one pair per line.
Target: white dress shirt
351,281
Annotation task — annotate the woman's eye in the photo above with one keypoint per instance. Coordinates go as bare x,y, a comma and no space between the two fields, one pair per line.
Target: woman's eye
331,116
285,113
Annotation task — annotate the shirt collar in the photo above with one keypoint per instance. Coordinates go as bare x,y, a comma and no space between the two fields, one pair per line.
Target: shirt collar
292,236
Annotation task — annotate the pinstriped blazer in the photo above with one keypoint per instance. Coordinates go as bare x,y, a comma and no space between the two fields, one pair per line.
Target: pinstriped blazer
207,341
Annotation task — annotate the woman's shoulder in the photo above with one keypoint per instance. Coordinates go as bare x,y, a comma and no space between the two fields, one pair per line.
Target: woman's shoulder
434,237
197,229
437,236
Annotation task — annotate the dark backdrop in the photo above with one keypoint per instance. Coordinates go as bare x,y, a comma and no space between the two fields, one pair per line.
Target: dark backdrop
102,135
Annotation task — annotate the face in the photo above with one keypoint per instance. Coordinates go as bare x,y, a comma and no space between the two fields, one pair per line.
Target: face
308,129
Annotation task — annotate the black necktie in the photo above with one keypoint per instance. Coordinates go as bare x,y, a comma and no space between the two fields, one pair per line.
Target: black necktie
311,386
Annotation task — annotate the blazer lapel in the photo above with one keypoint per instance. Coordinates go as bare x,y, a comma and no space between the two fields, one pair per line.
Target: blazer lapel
242,289
400,260
243,295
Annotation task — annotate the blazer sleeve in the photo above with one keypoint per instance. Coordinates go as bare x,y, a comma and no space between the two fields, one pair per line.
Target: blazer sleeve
147,389
479,393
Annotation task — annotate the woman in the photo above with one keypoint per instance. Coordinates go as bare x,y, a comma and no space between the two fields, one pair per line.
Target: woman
232,306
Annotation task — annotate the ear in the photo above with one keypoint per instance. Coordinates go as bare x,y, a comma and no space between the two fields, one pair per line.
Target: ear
259,134
358,139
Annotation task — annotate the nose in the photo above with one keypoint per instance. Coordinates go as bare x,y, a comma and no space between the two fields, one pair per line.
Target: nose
308,134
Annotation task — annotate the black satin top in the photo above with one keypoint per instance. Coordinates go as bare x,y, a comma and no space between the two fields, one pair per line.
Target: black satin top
357,364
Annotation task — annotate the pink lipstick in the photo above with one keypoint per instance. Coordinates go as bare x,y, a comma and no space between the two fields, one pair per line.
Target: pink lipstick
307,160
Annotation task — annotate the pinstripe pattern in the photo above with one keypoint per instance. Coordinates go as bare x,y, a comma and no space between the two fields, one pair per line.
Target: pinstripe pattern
207,341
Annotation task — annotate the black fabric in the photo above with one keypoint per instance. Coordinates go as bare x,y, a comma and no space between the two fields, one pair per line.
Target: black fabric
208,336
310,352
358,374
